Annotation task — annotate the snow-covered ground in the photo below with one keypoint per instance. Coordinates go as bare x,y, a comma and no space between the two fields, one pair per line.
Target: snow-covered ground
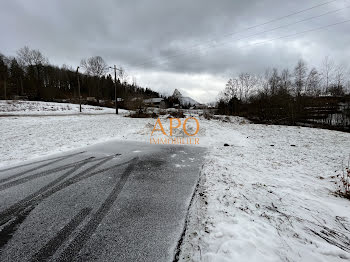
24,138
18,107
268,196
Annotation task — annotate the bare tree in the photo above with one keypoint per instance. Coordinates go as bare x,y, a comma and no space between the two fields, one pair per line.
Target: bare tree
230,89
327,71
247,83
313,83
347,80
123,76
286,82
31,57
299,76
94,66
240,87
339,75
347,87
97,67
274,81
265,81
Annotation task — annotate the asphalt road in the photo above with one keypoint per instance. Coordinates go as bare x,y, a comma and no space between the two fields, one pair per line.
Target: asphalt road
117,201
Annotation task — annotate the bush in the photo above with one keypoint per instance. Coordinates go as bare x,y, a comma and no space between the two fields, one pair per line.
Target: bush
344,185
226,119
176,114
140,114
208,115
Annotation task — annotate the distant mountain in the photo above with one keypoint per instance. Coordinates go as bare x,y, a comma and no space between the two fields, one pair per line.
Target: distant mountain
184,100
188,100
177,93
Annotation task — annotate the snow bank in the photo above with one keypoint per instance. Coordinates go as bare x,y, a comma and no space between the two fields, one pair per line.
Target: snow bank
17,107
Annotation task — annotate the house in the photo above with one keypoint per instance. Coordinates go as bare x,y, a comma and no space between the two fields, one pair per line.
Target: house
91,99
200,106
157,102
119,99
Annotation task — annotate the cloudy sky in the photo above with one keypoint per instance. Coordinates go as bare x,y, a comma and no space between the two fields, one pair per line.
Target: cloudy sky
192,45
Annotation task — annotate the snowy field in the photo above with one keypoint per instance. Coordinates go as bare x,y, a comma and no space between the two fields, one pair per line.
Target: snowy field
268,196
18,107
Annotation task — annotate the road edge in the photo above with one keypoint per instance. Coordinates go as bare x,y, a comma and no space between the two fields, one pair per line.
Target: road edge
180,242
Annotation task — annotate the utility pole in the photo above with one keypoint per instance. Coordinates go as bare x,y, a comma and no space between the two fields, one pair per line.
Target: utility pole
79,89
115,88
5,88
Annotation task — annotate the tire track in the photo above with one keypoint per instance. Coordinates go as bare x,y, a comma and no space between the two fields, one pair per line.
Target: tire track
47,251
35,168
8,231
38,175
73,249
36,162
19,211
45,192
78,178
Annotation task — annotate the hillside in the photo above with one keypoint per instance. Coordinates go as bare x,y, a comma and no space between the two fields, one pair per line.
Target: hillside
184,100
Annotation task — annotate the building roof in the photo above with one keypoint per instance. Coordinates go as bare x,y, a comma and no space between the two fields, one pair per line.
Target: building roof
153,100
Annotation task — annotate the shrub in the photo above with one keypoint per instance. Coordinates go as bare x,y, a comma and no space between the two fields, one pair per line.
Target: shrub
226,119
140,114
208,115
176,114
344,185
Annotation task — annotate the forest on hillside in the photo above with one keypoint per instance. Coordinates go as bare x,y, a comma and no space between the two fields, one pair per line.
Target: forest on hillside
29,75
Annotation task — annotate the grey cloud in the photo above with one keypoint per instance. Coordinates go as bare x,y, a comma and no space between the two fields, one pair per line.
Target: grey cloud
132,33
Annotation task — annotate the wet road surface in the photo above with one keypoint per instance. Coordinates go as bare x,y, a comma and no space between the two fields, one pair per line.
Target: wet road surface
116,201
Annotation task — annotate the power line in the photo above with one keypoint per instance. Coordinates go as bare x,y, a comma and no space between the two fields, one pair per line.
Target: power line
299,33
241,31
259,33
283,26
295,34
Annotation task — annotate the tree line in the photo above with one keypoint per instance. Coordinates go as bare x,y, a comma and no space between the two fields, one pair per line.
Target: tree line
289,95
30,75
